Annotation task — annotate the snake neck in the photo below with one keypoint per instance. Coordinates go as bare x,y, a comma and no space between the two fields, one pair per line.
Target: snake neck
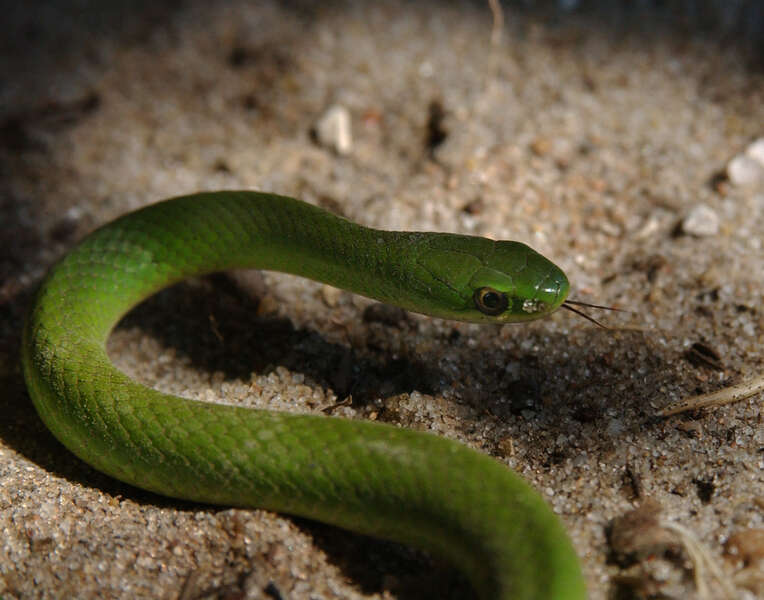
124,262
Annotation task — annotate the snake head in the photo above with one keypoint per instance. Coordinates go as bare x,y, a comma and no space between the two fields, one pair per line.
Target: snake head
480,280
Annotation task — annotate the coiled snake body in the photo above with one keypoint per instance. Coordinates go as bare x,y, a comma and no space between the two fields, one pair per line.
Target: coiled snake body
371,478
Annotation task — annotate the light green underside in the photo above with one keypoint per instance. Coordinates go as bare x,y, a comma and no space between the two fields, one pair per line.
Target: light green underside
375,479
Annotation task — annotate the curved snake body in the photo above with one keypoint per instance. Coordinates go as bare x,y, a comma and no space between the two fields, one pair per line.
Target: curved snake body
371,478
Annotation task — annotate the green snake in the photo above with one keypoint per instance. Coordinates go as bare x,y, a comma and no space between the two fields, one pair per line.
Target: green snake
376,479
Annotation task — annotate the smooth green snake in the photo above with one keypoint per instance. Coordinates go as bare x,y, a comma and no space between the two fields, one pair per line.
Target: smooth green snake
367,477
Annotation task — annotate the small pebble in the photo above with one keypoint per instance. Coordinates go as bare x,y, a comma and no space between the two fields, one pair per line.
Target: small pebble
638,534
268,305
541,146
701,221
331,295
744,170
333,130
747,168
651,226
756,151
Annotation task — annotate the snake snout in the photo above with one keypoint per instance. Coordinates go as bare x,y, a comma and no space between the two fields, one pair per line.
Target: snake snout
552,289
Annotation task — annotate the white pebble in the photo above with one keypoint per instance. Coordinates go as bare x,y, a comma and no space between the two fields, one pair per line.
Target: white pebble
333,130
747,168
744,170
756,151
701,221
331,295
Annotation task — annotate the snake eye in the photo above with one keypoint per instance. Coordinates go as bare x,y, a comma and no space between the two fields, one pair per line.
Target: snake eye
490,302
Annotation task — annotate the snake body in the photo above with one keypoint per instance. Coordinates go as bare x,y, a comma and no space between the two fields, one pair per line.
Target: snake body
371,478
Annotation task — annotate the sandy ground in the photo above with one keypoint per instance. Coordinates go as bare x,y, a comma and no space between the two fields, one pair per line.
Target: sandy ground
592,140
